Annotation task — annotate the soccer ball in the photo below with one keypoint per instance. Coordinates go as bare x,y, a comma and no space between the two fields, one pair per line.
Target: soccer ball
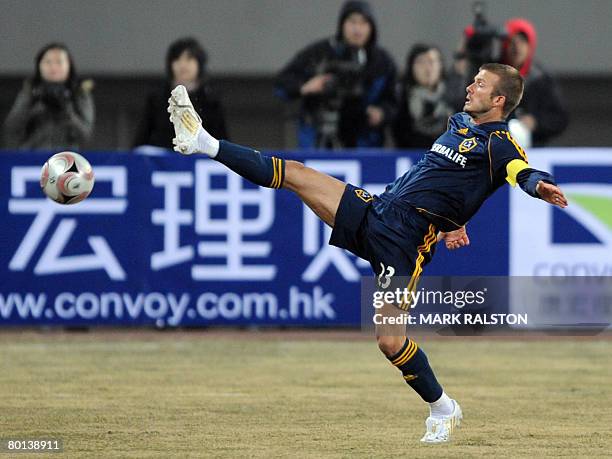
67,178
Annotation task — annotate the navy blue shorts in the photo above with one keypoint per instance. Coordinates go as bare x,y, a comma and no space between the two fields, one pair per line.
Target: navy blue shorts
397,241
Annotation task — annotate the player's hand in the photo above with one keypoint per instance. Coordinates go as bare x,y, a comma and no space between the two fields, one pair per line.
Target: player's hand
315,85
455,239
551,194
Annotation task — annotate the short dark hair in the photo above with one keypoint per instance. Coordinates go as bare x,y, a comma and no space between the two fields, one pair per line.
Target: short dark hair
510,85
191,46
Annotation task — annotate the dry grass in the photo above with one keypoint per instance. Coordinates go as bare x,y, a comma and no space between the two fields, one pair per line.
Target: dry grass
190,397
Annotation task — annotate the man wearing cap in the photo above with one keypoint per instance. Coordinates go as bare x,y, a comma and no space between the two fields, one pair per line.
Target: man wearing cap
345,84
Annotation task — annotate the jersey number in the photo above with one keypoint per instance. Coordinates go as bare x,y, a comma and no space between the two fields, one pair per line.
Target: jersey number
384,278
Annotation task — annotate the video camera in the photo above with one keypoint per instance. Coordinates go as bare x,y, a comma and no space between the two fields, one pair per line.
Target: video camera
55,96
485,43
347,77
344,89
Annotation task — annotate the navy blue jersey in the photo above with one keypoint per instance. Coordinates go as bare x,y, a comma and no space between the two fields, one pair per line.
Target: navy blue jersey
462,169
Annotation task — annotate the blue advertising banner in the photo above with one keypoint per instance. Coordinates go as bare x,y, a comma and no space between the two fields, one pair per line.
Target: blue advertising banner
181,241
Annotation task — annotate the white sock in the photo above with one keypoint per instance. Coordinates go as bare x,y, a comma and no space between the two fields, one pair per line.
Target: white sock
442,407
207,143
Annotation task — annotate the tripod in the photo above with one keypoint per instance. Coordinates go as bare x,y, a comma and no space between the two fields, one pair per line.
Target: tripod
327,129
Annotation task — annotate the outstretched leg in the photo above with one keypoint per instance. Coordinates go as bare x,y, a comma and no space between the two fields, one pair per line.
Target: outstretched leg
319,191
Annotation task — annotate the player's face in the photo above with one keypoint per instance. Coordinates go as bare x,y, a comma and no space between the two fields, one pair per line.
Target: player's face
427,68
185,69
55,66
356,30
518,51
480,94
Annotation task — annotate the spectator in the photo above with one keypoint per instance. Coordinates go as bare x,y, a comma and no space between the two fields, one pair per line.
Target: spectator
459,76
541,112
54,110
346,84
186,65
423,103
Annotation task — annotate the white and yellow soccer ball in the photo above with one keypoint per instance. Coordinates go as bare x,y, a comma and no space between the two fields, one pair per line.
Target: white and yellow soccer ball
67,178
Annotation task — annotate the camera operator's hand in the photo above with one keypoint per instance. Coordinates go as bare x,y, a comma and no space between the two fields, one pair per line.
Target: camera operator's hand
316,85
528,121
376,115
55,96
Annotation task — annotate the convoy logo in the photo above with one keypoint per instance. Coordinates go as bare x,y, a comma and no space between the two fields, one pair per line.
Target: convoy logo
576,241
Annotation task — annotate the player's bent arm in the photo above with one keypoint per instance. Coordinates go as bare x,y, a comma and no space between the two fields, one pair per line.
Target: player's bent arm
536,183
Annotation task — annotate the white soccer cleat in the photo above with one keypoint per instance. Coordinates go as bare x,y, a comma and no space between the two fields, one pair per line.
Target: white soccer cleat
187,123
440,429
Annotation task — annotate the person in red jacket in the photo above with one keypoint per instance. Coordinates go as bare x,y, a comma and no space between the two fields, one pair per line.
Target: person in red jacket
541,112
541,116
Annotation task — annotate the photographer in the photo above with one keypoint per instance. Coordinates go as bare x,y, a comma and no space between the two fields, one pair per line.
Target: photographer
54,110
345,83
541,114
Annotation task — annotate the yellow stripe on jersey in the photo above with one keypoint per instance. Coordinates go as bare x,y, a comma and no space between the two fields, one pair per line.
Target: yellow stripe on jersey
280,173
424,248
513,168
274,182
277,170
420,209
274,176
497,133
517,146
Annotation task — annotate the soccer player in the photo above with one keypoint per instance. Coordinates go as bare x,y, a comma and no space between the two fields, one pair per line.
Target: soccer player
397,231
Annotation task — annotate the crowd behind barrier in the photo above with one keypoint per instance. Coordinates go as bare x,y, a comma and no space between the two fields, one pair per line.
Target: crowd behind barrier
350,91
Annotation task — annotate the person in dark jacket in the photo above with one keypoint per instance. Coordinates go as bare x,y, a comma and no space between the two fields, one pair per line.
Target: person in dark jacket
424,107
541,113
346,84
54,110
185,64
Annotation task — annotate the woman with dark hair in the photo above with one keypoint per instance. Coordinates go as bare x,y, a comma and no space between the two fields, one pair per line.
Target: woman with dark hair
54,110
424,105
186,65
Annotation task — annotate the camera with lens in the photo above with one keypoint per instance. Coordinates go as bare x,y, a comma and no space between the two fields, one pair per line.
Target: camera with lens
53,95
486,41
342,92
346,79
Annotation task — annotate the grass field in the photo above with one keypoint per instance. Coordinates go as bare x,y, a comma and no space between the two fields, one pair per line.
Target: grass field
173,395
